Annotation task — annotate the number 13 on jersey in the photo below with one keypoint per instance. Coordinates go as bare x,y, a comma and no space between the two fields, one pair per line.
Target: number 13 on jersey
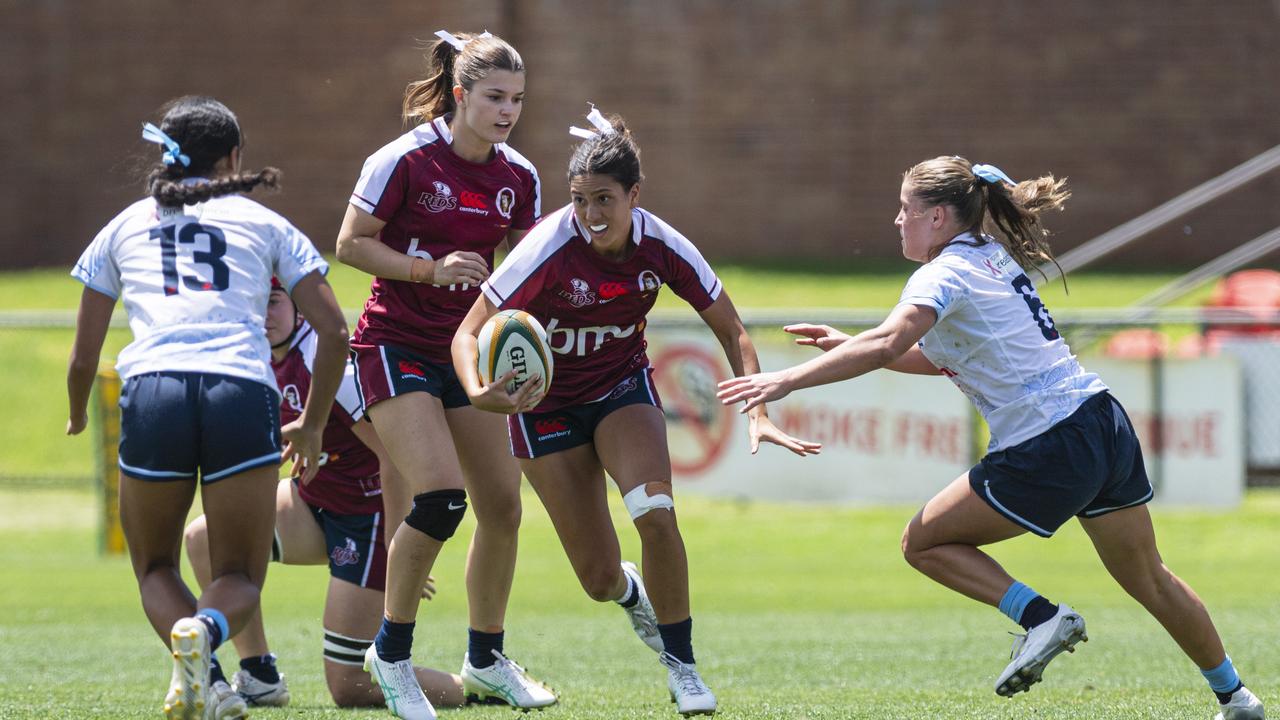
193,234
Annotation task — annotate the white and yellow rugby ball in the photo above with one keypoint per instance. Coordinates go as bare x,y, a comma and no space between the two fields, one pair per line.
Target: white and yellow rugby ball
514,340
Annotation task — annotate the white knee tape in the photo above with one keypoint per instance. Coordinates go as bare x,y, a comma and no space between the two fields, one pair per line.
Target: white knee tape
639,501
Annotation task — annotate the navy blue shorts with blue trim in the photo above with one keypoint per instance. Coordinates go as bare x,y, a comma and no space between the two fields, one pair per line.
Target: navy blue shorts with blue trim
535,434
180,425
1088,465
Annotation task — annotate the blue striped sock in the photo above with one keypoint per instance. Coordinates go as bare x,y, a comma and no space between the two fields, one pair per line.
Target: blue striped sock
217,624
1223,679
1015,600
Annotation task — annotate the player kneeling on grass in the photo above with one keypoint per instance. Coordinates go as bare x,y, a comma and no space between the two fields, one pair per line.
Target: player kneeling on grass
193,263
590,272
1061,445
336,518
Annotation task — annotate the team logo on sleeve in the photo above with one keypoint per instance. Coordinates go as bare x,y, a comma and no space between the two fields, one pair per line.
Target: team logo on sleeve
649,281
579,294
439,201
292,396
506,202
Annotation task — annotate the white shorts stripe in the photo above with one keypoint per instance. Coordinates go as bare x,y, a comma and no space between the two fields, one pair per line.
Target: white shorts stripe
373,544
1105,510
525,432
986,486
386,368
246,465
139,472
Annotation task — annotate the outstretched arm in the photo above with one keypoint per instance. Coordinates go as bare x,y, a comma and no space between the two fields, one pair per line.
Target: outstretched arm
858,355
723,320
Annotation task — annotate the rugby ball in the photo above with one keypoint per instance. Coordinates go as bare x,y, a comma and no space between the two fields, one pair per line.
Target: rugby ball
514,340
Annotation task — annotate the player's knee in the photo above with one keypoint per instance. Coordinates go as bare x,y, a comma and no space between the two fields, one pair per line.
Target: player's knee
502,516
643,500
438,513
601,581
911,552
194,538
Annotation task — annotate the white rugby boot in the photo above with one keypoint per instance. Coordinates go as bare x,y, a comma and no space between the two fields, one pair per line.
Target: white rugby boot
1033,651
688,692
504,682
1243,705
189,640
258,693
643,619
400,689
222,703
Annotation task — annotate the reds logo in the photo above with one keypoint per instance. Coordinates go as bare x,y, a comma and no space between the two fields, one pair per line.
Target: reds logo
439,201
471,199
506,202
408,368
552,425
580,294
622,388
348,555
611,290
292,396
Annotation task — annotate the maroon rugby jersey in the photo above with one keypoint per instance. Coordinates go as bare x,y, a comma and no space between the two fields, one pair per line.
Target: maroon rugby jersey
347,482
435,203
594,308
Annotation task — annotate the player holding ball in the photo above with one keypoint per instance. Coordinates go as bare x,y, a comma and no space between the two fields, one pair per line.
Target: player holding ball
589,273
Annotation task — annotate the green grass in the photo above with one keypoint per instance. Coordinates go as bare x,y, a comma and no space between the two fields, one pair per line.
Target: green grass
801,612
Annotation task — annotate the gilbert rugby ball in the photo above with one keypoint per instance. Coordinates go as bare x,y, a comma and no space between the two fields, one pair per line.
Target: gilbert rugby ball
514,340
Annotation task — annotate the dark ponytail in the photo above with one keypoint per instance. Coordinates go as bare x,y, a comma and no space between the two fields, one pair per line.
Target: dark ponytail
206,131
615,154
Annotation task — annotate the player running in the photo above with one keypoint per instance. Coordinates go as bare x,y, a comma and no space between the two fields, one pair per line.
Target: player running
590,272
336,519
193,263
1061,445
427,213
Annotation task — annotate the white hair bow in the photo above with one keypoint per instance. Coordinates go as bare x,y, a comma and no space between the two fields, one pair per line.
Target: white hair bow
603,127
453,40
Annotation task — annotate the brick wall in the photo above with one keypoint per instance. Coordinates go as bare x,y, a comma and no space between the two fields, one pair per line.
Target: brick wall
773,130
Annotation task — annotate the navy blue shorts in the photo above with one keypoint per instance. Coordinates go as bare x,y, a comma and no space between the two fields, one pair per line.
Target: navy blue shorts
177,425
536,434
356,545
385,371
1088,465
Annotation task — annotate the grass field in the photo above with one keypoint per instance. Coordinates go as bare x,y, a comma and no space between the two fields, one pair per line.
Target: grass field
801,612
34,360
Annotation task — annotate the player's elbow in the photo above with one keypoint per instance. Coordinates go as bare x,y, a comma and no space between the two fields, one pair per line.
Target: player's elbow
347,248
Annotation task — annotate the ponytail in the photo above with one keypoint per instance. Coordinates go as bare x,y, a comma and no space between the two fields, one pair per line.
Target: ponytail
454,60
988,202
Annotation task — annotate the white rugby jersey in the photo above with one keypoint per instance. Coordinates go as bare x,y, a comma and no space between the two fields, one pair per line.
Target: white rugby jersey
996,341
195,282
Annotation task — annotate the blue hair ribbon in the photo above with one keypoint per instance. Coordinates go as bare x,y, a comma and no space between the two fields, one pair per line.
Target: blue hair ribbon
173,154
991,174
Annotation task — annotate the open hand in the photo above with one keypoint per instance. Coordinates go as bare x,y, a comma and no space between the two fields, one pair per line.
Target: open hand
762,428
823,337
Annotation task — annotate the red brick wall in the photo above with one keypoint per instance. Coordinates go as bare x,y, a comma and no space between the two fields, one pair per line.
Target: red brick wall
770,130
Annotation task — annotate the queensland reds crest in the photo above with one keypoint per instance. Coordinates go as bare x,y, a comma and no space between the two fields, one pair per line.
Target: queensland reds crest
580,294
439,201
506,201
348,555
292,396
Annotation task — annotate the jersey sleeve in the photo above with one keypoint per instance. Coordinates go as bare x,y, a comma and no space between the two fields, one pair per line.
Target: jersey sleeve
383,184
689,274
934,285
97,267
347,406
524,272
526,215
296,257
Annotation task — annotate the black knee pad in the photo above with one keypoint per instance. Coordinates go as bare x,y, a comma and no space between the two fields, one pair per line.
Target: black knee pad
436,514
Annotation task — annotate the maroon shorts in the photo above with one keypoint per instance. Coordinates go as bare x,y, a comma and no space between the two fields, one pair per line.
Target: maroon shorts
534,434
385,371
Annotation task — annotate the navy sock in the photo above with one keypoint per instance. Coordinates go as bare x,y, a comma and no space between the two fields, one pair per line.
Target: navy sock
394,641
1225,697
677,640
480,647
1037,611
632,595
262,668
215,671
